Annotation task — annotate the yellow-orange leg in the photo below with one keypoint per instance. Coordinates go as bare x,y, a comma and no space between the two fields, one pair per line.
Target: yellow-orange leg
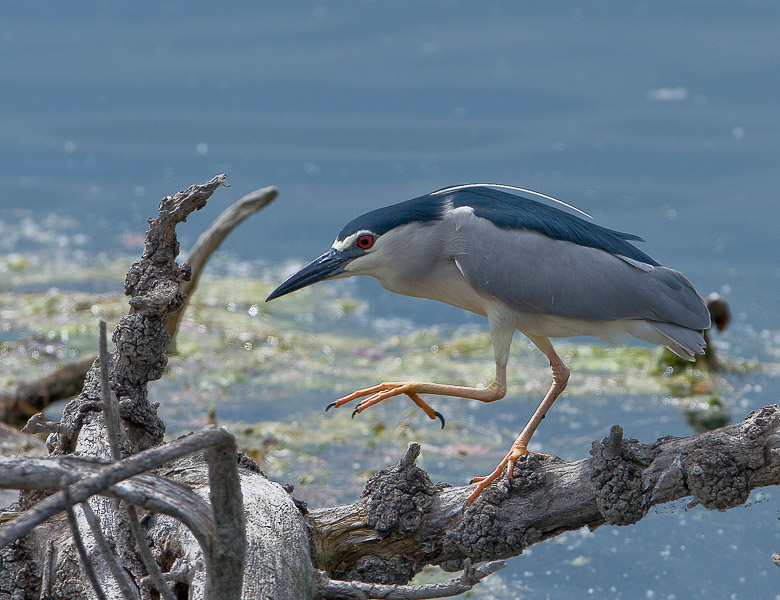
375,394
520,446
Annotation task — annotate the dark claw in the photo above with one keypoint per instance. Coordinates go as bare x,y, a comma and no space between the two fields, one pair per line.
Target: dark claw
329,406
356,411
440,416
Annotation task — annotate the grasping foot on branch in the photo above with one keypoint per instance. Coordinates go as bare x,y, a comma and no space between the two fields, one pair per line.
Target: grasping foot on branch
404,521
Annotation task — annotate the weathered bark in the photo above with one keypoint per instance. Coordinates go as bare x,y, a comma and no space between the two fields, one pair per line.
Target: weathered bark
201,544
405,522
153,286
278,563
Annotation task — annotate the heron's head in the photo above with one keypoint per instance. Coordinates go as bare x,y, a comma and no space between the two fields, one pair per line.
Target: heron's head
385,243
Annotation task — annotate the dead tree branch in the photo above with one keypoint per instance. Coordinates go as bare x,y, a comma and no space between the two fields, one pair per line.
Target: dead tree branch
28,398
151,492
111,412
153,284
404,522
210,240
327,588
41,473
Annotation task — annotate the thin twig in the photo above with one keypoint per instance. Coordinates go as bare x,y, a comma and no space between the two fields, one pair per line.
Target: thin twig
86,564
46,570
110,411
120,577
155,574
329,588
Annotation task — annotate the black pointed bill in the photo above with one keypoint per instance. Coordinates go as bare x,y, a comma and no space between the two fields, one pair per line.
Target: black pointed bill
326,266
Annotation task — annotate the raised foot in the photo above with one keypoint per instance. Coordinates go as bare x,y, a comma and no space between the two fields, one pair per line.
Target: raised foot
375,394
508,463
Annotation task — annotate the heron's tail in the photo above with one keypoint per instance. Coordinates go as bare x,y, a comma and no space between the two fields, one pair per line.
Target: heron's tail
684,342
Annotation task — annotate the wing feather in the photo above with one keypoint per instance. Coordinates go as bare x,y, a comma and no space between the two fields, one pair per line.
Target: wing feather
562,278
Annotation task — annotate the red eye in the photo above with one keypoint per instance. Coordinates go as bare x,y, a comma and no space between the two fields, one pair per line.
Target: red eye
364,242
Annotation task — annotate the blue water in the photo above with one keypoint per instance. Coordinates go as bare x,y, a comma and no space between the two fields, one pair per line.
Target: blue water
660,119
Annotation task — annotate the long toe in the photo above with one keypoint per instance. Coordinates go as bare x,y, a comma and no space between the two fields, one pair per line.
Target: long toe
485,481
515,452
383,391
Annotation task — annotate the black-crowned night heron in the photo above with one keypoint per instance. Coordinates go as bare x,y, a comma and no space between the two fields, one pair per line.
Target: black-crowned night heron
522,264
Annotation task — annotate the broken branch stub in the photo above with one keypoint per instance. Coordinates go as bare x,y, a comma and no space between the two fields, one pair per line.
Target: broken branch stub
153,286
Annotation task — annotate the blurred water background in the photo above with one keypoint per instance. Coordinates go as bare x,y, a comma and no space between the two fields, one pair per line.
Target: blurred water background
658,118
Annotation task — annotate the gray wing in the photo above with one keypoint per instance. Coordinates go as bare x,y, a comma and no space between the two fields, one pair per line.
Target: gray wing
534,273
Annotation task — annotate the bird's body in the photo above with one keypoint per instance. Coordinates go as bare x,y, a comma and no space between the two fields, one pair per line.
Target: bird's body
525,266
